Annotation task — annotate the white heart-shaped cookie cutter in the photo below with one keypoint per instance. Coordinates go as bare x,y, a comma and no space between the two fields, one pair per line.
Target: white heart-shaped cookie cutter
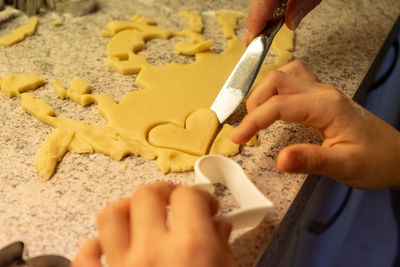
254,205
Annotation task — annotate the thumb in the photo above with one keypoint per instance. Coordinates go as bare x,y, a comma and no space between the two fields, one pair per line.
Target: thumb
307,158
297,10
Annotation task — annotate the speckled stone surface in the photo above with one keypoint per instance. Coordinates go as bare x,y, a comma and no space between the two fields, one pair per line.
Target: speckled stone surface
338,41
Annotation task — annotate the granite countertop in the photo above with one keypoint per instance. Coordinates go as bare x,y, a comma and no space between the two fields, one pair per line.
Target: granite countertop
338,40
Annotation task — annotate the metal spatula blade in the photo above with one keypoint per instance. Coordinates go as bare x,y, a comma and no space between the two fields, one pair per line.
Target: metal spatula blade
243,75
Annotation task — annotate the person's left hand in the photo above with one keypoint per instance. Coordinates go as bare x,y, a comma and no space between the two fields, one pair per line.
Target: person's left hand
358,148
135,232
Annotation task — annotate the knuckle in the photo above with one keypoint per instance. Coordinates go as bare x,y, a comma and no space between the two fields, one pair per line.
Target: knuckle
251,103
152,190
184,192
275,100
275,76
196,196
144,192
337,97
144,255
297,65
193,242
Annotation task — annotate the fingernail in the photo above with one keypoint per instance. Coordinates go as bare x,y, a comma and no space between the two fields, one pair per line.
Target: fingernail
297,19
246,37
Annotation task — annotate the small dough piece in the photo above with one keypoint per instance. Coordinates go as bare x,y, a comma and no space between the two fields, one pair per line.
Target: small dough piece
192,49
222,144
124,42
13,85
175,161
53,149
194,20
192,33
57,22
106,34
20,33
79,92
228,22
253,141
31,104
59,89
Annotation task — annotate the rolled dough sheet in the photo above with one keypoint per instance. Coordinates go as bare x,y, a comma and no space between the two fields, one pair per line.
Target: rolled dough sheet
169,118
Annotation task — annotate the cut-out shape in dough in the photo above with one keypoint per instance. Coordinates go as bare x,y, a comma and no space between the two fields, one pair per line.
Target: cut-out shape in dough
194,138
169,95
20,33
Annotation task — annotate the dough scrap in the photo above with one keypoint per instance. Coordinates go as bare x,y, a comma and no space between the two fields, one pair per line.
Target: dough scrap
59,89
33,105
13,85
57,22
20,33
223,144
169,118
53,149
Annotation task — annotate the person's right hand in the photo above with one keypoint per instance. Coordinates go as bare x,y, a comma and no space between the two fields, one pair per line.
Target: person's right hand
160,225
358,148
261,11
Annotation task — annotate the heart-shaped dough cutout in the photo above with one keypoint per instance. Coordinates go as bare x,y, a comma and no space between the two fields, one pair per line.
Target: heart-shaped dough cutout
194,138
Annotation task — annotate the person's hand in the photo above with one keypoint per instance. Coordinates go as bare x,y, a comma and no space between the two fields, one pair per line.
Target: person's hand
261,11
137,232
358,148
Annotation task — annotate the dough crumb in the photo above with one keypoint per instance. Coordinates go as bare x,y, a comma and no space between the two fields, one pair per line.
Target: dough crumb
253,141
57,22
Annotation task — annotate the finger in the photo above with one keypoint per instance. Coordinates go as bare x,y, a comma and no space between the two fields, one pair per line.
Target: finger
260,12
315,159
298,68
149,209
277,82
89,254
114,232
296,10
192,210
224,229
309,109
